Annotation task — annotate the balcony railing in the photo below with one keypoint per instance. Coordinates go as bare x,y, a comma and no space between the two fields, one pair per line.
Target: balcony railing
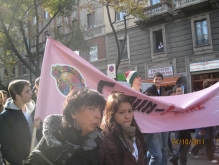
185,3
158,9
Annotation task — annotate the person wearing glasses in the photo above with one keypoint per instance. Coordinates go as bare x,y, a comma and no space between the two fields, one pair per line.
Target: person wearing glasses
123,142
154,154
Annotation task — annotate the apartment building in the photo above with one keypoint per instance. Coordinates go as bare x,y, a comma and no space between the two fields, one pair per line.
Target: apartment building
93,23
180,39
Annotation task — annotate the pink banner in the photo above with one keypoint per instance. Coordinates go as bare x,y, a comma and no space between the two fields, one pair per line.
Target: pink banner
63,70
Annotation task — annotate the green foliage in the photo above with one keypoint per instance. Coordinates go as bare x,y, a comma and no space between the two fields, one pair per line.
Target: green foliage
65,7
15,16
133,8
7,58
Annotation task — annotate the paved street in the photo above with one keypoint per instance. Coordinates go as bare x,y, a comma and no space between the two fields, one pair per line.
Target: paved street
192,161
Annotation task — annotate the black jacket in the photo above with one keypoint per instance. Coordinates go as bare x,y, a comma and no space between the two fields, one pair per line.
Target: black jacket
152,91
65,145
15,136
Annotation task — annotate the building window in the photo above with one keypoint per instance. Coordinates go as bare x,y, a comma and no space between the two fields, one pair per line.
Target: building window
119,16
91,20
93,53
34,41
46,15
13,71
158,41
24,69
125,51
201,32
74,23
45,35
59,29
34,20
153,2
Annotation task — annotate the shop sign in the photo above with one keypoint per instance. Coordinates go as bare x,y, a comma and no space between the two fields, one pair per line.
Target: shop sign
166,71
111,70
204,66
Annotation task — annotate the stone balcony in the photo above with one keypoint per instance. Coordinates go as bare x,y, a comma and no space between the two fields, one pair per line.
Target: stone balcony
184,7
159,9
157,13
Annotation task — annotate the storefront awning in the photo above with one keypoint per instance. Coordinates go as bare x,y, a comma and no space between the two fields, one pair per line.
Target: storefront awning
167,81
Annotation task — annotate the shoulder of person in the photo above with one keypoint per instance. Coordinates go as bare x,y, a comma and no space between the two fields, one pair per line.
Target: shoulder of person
109,142
164,93
8,113
52,124
150,91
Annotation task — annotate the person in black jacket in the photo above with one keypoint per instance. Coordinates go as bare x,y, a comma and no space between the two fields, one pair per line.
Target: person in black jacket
157,90
74,137
16,123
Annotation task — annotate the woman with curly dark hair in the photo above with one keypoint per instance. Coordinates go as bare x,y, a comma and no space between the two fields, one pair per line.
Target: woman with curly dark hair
75,136
123,143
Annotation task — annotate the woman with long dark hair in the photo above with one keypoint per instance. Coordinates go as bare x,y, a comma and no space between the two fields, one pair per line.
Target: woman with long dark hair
123,143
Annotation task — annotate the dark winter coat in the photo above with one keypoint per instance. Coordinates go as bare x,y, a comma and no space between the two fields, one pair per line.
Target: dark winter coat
15,136
204,133
65,145
1,159
152,91
110,155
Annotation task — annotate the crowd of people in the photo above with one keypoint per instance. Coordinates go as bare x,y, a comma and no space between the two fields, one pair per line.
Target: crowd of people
91,130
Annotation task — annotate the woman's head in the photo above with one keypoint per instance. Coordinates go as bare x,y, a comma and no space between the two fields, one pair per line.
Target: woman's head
207,83
118,110
118,113
84,106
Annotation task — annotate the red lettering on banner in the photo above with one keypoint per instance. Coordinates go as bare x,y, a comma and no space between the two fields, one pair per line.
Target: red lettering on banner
200,107
194,109
197,107
168,110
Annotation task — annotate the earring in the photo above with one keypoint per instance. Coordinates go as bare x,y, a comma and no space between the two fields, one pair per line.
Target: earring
76,126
